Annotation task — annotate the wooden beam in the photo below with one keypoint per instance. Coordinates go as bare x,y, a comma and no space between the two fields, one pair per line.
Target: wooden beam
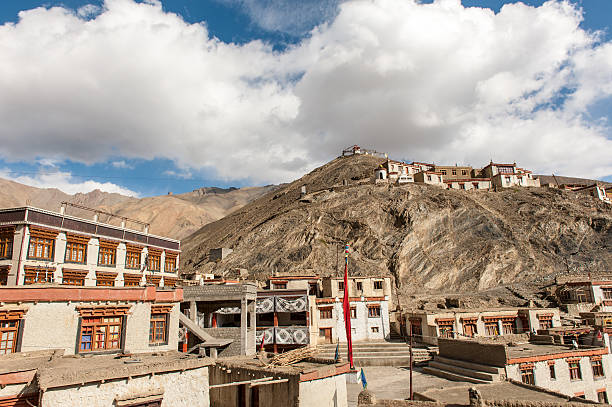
269,382
263,379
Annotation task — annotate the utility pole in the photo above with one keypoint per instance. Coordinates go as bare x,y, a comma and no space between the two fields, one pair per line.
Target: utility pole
411,393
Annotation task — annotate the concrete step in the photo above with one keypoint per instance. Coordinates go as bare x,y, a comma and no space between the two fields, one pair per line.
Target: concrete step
491,377
469,365
381,361
452,376
373,349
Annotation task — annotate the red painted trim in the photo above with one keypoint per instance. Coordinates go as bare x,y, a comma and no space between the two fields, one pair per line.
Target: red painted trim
561,355
17,377
313,278
322,373
68,293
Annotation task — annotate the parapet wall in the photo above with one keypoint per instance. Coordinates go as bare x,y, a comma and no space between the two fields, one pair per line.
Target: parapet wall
470,351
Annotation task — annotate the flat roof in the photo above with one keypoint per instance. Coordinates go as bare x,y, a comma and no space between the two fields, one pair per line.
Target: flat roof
310,369
524,351
75,370
55,220
458,395
62,293
475,310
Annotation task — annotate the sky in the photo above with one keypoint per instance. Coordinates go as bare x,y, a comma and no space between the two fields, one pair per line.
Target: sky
148,97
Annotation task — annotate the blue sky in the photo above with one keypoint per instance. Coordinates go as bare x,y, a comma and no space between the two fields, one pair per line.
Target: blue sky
264,116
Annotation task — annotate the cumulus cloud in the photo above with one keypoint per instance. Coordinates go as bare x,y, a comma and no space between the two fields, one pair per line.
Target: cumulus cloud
122,164
65,182
436,82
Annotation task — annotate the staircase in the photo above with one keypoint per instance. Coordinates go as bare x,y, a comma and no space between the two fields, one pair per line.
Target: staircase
459,370
376,353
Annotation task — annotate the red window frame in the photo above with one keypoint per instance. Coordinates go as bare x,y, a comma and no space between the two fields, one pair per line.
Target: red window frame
325,313
158,329
100,333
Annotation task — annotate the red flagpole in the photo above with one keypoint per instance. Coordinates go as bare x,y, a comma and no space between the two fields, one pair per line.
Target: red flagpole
347,308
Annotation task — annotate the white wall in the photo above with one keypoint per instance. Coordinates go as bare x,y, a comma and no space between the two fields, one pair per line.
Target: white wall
327,392
180,389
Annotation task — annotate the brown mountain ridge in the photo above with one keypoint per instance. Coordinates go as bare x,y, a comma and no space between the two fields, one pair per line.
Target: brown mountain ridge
428,238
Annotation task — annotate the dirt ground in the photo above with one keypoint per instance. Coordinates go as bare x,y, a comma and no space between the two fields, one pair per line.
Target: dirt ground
394,383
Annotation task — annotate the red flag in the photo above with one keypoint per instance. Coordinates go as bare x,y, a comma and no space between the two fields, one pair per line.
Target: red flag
347,308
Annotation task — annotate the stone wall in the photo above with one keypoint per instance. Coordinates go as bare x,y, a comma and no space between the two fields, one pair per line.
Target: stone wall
178,389
470,351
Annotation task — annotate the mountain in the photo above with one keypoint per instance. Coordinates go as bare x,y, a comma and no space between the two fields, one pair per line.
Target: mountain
428,238
174,216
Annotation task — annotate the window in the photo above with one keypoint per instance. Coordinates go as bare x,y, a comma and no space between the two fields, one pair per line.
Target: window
36,275
131,280
353,313
312,289
545,321
602,396
461,186
107,255
325,313
491,328
508,326
508,180
340,285
170,263
607,293
132,258
463,172
4,275
6,243
469,328
527,374
446,329
280,286
170,282
454,172
9,330
157,331
105,279
475,185
41,248
153,279
443,172
597,367
100,333
76,252
73,277
374,329
429,178
359,286
378,285
373,311
574,370
505,170
154,260
551,370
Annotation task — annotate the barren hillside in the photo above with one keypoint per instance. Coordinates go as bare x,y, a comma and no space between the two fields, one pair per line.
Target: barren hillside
174,216
430,239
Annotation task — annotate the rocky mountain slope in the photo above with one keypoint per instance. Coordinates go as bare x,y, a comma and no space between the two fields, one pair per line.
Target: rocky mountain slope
174,216
430,239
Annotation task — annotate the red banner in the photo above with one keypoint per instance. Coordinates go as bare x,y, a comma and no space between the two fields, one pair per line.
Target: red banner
347,309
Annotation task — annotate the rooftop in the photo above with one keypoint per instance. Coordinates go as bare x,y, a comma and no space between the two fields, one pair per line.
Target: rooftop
458,395
547,351
55,370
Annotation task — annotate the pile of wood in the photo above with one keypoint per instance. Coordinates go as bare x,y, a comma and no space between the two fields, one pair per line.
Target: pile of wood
293,356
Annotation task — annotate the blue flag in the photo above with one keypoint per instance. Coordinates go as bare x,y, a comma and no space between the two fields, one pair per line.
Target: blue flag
337,356
364,382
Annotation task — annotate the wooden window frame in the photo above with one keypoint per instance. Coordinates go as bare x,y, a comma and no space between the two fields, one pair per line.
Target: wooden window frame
340,285
11,324
597,368
378,283
575,373
37,275
374,311
131,279
170,260
4,272
552,372
353,313
7,237
491,324
604,393
90,325
170,281
280,286
528,375
76,252
105,279
107,256
42,242
326,313
159,319
154,261
74,277
132,259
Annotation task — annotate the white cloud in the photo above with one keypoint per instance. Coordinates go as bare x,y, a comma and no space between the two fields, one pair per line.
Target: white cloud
65,182
433,82
288,16
122,164
88,11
